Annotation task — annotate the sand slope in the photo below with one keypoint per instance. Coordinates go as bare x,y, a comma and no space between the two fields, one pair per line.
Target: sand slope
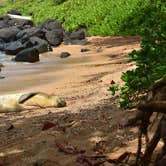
91,115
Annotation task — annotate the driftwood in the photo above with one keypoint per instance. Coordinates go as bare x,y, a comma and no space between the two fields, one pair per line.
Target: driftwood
19,17
155,106
159,134
156,102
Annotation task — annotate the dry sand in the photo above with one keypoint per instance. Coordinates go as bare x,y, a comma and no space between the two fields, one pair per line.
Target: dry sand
92,114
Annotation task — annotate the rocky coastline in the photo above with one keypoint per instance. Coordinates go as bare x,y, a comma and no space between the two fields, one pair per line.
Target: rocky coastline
24,40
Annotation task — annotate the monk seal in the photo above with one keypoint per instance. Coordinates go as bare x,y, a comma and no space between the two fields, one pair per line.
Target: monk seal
19,102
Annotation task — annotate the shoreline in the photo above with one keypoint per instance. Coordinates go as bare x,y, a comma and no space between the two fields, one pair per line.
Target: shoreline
52,70
91,115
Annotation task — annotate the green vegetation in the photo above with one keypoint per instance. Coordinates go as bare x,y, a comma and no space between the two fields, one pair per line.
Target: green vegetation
100,17
113,88
151,59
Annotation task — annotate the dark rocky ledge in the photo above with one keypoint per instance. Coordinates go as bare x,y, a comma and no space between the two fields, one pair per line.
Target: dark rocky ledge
21,37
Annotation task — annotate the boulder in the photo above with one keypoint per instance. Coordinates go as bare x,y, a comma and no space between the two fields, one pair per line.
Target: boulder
54,37
27,23
9,34
13,48
79,42
64,54
2,45
21,23
5,18
52,24
40,44
3,24
37,41
75,38
27,26
66,37
24,38
1,65
33,31
2,77
12,22
26,41
28,55
9,21
24,24
78,35
66,34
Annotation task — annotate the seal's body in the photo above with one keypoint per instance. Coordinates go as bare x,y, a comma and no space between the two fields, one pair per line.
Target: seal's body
40,99
8,103
18,102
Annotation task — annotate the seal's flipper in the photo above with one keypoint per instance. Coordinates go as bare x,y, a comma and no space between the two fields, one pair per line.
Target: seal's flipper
27,96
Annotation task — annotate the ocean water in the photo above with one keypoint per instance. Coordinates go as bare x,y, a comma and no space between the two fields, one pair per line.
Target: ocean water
4,58
7,59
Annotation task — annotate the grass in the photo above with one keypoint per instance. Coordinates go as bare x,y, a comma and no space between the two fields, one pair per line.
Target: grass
100,17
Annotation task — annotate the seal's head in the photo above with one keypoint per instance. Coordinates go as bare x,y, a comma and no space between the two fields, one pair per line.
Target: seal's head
59,101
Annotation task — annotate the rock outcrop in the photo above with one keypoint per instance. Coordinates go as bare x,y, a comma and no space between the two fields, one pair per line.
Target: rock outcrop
28,55
19,35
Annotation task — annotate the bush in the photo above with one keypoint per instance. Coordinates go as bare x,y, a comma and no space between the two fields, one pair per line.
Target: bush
151,59
100,17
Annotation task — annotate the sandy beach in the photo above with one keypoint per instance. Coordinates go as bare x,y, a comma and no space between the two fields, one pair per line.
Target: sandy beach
105,56
92,113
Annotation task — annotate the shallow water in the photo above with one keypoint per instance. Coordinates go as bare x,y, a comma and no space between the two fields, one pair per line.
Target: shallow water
20,76
7,59
4,58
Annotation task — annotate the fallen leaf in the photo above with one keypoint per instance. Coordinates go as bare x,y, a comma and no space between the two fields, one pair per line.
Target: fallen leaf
100,147
112,82
69,149
123,158
10,127
48,125
90,160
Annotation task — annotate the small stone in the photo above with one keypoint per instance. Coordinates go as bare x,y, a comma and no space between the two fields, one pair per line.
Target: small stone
64,54
2,77
85,50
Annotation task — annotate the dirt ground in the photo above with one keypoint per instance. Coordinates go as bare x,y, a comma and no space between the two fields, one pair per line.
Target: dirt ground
91,121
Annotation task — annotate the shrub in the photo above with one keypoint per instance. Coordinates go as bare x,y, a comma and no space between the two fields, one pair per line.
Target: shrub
151,59
100,17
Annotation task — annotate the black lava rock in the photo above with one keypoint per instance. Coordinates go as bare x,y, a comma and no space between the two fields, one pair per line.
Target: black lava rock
65,54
